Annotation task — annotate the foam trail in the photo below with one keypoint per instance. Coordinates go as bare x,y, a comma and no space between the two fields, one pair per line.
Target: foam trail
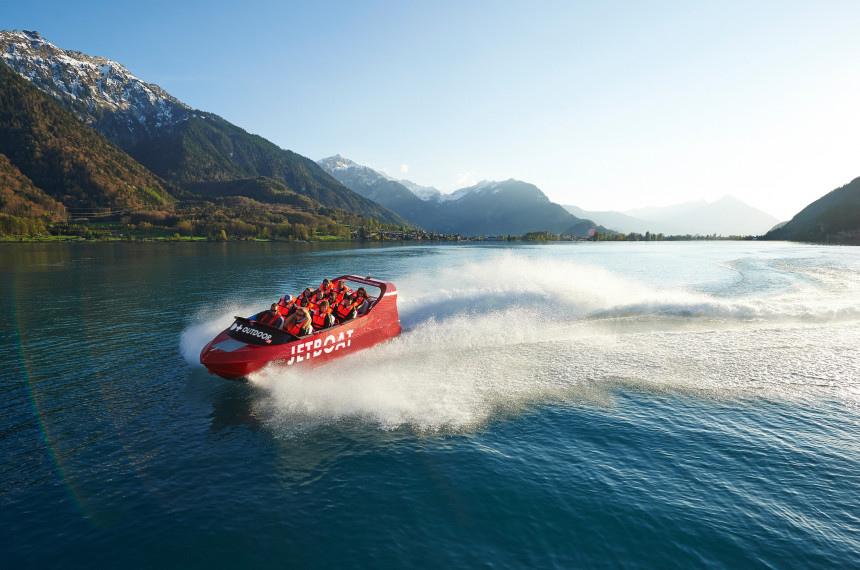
496,337
567,289
422,380
481,372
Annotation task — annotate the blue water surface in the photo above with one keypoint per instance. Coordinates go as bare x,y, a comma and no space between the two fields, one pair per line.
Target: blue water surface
643,405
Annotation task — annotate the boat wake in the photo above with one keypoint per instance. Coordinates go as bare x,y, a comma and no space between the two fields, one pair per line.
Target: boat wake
475,349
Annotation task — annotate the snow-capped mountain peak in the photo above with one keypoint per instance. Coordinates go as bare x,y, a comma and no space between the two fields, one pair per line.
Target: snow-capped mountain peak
91,85
106,82
35,39
484,186
343,168
338,162
425,193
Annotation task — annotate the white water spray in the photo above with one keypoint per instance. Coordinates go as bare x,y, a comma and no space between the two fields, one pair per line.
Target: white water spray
497,337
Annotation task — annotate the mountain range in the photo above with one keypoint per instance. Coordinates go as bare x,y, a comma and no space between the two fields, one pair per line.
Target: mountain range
510,207
81,135
198,154
188,148
54,168
727,216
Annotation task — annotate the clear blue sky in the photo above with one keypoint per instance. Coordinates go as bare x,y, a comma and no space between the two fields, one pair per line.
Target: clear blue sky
603,105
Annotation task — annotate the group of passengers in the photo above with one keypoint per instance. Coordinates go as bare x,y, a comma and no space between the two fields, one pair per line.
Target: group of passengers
330,304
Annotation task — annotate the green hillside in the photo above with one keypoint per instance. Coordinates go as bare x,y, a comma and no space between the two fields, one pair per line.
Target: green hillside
59,176
833,218
66,160
182,146
206,148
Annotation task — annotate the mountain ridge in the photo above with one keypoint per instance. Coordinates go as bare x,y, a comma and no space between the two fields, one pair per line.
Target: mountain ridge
58,175
509,207
182,145
101,91
81,168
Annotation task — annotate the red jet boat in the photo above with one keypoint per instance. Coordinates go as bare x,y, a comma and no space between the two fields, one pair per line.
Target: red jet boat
247,346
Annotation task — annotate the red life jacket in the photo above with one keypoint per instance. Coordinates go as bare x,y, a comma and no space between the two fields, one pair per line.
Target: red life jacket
344,309
341,291
296,329
325,289
285,308
304,295
269,318
318,319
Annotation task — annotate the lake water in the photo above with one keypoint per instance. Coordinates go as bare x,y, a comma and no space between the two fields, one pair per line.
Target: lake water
637,405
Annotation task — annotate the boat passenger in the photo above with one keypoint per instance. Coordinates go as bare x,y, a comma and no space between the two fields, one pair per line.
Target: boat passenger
318,297
345,310
299,323
297,302
286,305
325,287
272,317
304,303
308,293
310,303
321,317
341,289
332,299
361,301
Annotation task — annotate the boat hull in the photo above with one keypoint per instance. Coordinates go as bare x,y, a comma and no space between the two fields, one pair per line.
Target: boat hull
246,347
